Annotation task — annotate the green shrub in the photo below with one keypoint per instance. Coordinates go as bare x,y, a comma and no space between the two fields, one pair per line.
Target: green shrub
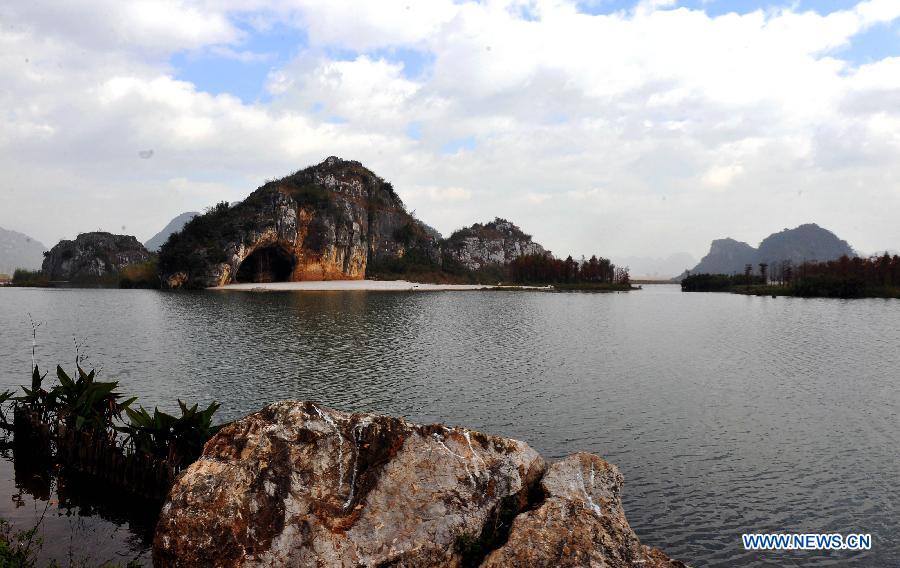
179,439
87,404
22,277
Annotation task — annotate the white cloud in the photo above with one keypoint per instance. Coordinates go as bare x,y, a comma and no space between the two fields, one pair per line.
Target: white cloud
656,105
440,194
720,177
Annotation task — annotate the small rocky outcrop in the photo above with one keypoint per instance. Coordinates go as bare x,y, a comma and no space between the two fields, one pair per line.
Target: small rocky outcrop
297,484
92,256
326,222
496,243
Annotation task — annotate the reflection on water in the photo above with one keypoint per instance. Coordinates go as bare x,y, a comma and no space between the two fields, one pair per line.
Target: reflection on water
81,523
727,414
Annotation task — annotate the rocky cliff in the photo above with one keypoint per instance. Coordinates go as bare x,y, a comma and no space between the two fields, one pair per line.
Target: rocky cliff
297,484
92,256
498,242
18,250
326,222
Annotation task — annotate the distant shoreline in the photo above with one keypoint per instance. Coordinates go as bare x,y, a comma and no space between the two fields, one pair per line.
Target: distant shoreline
367,286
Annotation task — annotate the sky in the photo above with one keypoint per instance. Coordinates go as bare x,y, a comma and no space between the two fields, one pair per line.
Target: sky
621,128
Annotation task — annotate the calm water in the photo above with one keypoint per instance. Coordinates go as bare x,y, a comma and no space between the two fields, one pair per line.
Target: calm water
727,414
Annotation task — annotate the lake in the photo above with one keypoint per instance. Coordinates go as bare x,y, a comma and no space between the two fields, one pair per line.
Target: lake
726,413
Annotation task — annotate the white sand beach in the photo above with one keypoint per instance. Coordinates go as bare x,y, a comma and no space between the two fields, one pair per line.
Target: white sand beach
362,285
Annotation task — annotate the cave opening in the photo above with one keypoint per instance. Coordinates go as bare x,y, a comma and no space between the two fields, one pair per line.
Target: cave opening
267,264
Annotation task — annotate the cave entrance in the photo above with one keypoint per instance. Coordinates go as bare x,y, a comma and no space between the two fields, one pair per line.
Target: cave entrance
267,264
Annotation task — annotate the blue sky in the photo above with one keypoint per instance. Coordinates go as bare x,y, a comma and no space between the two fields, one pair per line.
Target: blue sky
276,45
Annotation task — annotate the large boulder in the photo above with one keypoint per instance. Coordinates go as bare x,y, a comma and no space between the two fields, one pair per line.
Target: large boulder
93,257
330,221
297,484
579,523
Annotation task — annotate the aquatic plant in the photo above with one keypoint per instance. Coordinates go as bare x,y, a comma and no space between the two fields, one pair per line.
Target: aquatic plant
36,399
177,439
85,403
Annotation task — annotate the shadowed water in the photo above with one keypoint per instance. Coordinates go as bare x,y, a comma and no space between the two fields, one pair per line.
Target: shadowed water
726,414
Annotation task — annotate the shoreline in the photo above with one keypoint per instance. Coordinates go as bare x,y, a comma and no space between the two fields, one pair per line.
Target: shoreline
367,286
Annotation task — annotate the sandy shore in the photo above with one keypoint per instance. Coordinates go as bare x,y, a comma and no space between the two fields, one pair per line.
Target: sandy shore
361,285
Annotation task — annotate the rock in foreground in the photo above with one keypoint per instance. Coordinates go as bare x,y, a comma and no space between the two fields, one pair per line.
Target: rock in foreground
297,484
580,523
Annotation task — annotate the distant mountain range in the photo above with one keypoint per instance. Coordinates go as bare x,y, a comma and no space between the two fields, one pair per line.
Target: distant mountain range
18,250
808,242
156,242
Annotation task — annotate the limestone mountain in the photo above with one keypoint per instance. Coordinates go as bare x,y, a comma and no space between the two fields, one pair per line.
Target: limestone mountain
498,242
155,242
726,256
18,250
93,256
326,222
807,242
